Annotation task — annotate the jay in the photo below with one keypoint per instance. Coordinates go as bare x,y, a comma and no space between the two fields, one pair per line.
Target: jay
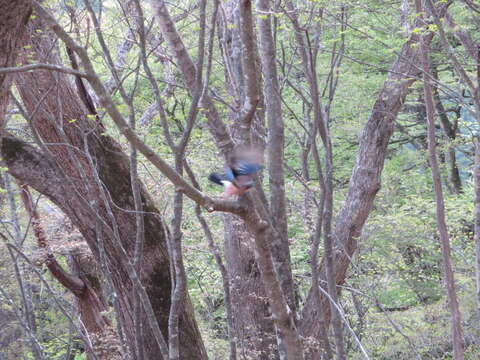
239,175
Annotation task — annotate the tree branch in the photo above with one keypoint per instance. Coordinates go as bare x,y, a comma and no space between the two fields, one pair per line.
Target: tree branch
61,69
107,102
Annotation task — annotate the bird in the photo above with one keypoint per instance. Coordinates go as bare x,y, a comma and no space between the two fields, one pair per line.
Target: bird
239,175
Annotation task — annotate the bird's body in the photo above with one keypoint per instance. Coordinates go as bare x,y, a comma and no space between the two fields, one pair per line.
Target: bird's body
239,173
230,188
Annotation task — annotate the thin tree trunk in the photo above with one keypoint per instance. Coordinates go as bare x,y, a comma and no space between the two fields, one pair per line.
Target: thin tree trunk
451,134
405,9
457,334
329,249
275,150
476,177
473,84
25,293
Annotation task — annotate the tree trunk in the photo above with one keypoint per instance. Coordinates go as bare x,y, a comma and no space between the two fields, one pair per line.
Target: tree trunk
13,17
275,151
253,324
365,179
476,177
456,321
450,131
64,174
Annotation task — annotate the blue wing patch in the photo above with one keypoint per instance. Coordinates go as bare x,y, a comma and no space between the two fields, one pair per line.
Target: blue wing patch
246,168
229,175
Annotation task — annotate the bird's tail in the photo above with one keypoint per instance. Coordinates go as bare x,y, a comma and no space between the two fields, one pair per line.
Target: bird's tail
216,178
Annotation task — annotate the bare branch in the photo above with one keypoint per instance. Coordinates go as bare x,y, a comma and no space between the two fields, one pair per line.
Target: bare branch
70,281
61,69
107,102
187,68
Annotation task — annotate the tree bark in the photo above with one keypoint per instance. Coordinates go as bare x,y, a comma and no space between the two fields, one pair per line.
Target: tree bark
63,173
476,177
253,324
13,17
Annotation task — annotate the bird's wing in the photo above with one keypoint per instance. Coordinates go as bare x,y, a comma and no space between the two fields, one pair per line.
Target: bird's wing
246,161
217,178
229,174
245,168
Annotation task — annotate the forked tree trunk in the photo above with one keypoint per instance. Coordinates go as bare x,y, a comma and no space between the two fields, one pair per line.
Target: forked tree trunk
253,324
